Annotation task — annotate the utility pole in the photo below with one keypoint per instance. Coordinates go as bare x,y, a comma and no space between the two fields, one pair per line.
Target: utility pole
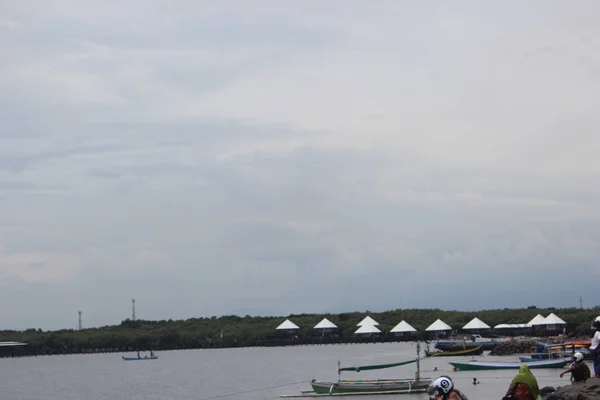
580,302
79,320
133,310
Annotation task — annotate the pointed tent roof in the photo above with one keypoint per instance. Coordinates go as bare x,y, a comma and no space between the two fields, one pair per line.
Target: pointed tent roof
325,324
537,320
287,324
476,323
368,329
403,326
367,321
439,325
554,320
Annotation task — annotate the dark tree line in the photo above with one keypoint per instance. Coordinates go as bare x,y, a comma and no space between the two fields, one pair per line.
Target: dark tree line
235,331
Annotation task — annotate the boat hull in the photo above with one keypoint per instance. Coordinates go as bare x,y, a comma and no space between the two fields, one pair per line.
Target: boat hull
461,344
139,359
476,351
370,386
488,365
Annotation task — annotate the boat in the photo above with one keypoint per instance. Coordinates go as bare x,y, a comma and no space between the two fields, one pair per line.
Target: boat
488,365
474,340
473,351
140,358
370,386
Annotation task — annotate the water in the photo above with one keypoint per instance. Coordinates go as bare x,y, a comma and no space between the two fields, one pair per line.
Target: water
243,374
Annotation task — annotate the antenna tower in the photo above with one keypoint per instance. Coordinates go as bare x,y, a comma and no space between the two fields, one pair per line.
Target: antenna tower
133,310
79,320
581,302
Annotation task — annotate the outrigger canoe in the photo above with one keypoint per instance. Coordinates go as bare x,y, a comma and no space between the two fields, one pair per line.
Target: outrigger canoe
343,387
473,351
139,358
487,365
370,386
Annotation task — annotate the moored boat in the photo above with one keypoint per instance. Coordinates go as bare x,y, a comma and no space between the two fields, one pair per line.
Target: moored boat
488,365
373,386
368,386
472,351
139,358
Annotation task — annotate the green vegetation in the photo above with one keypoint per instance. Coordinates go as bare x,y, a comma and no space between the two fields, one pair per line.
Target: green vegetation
235,331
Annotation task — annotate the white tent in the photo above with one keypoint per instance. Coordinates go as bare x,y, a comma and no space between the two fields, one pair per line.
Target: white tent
325,324
537,320
365,329
553,322
511,326
476,323
367,321
403,327
287,325
439,325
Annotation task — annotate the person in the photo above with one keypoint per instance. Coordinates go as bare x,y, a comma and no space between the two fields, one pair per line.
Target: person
595,346
579,370
524,386
443,389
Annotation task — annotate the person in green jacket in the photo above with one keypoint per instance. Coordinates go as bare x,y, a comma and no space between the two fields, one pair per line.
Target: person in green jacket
524,386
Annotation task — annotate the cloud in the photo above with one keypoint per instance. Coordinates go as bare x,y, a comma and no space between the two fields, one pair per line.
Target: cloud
294,157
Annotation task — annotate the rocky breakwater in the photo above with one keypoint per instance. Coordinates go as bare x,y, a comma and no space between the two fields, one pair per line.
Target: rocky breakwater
589,390
511,347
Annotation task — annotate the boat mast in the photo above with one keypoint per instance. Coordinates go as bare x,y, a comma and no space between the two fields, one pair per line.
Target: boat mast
418,374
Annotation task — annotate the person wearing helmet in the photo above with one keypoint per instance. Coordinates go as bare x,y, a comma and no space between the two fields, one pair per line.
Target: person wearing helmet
443,389
579,370
595,347
524,386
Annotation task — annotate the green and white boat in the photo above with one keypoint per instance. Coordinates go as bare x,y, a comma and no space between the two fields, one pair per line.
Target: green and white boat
487,365
373,386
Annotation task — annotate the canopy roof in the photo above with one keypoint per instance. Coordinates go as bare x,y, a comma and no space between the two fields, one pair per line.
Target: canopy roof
554,320
325,324
7,344
287,324
403,327
537,320
439,325
368,329
367,321
511,326
476,323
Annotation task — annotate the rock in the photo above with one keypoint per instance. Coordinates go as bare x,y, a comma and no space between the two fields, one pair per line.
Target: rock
547,390
589,390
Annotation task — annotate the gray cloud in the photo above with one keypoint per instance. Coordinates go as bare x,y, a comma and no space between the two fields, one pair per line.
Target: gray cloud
224,159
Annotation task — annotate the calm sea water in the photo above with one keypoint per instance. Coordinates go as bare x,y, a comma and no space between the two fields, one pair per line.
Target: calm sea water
245,374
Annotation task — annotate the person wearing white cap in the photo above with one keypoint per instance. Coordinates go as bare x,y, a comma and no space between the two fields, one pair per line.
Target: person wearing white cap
595,347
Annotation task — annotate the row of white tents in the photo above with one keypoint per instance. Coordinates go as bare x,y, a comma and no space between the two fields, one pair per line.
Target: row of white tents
369,326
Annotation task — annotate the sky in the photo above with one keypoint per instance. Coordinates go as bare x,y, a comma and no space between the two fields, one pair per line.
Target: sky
277,157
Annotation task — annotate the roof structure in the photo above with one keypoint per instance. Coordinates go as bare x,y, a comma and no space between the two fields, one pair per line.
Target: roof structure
554,320
439,325
476,323
367,321
403,326
325,324
8,344
368,329
511,326
537,320
287,324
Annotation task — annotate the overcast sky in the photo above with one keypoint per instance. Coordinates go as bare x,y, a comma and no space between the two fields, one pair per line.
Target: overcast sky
276,157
